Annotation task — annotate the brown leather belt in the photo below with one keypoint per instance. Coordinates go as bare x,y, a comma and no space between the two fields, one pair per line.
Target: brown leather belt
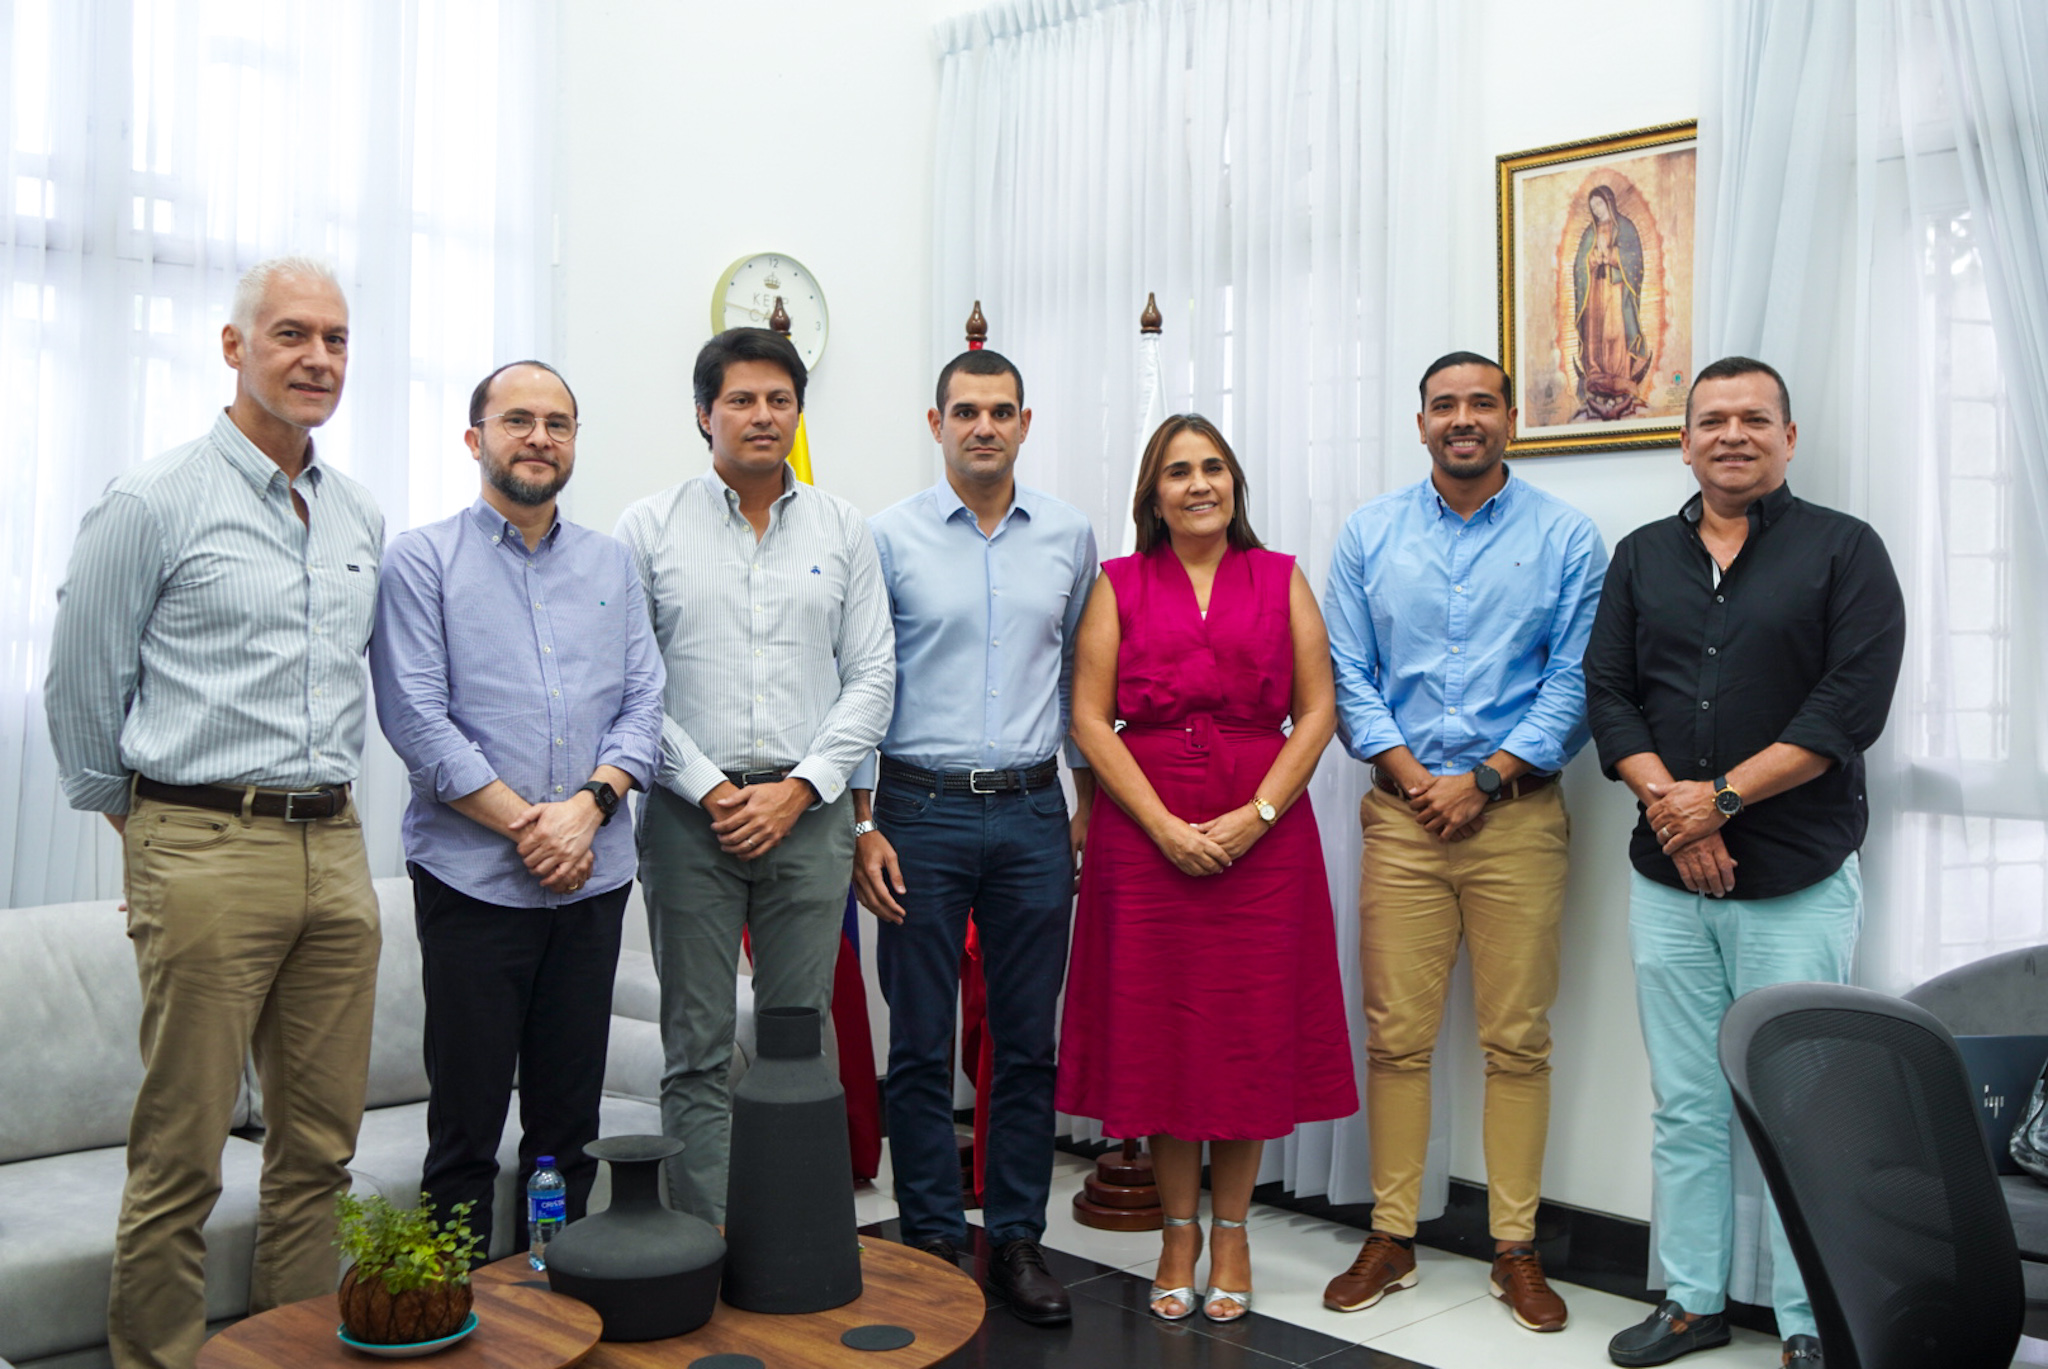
293,805
1510,790
740,779
1028,780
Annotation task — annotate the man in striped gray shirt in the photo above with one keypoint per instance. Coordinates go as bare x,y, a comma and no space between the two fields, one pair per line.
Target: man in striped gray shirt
206,693
769,607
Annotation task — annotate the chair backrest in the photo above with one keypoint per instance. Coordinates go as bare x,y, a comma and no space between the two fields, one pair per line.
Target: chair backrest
2000,995
1861,1116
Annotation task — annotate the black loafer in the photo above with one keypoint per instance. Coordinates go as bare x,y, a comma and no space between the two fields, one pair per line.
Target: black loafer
941,1247
1665,1334
1018,1274
1801,1352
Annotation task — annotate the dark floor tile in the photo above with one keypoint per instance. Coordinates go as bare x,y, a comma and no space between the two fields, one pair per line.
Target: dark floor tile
1363,1357
1269,1336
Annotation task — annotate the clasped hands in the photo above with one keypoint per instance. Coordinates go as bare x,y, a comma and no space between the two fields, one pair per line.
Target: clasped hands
753,821
1205,848
554,841
1688,825
1449,807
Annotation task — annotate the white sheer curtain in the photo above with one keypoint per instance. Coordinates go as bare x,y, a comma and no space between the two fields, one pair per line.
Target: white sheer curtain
156,148
1263,166
1874,221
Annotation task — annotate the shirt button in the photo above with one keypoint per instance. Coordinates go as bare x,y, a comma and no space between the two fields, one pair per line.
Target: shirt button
558,789
991,746
992,693
1454,651
1713,651
536,603
998,594
1454,712
757,608
759,744
757,651
1704,762
556,693
494,541
558,741
547,651
760,698
995,641
1459,588
1704,704
1720,599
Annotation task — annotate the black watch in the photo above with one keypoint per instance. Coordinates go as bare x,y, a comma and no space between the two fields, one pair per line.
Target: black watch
606,796
1488,780
1726,801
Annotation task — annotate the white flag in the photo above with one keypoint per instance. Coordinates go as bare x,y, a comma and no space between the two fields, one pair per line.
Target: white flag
1151,413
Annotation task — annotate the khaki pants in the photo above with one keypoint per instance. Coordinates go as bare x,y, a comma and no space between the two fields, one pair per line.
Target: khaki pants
249,933
1503,892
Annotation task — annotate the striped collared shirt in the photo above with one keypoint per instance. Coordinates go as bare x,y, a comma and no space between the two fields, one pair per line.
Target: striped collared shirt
206,636
780,652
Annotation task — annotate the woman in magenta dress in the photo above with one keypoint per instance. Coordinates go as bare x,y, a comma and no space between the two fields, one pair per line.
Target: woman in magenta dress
1203,1003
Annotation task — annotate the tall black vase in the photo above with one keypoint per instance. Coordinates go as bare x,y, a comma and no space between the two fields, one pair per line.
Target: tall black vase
649,1272
789,1224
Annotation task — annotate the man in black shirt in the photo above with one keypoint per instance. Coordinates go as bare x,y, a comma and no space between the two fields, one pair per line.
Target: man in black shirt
1742,660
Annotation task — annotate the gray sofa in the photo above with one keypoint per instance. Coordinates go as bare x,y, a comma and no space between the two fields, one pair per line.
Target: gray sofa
70,1009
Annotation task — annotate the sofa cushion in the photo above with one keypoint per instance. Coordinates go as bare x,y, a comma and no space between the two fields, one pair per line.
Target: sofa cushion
57,1218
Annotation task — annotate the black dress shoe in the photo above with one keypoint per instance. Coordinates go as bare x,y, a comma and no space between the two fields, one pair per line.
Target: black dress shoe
1801,1352
940,1247
1018,1274
1665,1334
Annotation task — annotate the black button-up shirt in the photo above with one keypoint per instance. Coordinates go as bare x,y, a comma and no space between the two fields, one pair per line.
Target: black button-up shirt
1799,642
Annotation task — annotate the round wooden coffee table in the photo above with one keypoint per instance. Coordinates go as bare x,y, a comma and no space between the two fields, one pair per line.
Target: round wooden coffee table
899,1287
521,1325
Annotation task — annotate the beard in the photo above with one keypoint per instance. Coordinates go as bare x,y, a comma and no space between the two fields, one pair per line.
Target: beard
531,493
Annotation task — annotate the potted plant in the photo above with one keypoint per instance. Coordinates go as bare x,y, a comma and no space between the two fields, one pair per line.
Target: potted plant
409,1280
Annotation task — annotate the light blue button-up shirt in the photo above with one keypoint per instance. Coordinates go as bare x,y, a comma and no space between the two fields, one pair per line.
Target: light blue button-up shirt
493,662
205,635
1458,638
984,630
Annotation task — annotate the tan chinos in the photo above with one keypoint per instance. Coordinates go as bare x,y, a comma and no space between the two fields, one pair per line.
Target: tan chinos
250,933
1501,892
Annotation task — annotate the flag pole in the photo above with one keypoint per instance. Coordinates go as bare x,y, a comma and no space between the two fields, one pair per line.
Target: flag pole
1151,402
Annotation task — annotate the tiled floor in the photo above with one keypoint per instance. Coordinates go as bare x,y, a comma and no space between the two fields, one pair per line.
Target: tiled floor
1447,1321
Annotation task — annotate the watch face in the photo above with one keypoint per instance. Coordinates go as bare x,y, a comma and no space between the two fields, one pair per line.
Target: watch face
746,294
1266,812
1487,779
1729,802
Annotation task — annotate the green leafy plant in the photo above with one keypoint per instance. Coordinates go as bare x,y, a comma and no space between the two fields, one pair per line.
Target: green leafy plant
405,1248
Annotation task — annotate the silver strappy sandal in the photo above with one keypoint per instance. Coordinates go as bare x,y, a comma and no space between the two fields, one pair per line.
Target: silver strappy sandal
1184,1296
1216,1295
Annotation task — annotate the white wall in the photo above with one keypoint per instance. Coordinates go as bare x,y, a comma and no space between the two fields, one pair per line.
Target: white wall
695,133
1533,87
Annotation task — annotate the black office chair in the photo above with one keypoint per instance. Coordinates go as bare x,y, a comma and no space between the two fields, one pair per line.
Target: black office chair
1860,1112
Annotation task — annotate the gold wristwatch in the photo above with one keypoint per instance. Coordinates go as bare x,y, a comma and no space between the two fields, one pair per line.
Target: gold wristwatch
1268,814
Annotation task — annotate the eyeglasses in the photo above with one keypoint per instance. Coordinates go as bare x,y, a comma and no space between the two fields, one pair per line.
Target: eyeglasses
519,423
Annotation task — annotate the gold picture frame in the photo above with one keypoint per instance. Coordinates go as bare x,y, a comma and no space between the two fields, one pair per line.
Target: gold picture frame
1596,289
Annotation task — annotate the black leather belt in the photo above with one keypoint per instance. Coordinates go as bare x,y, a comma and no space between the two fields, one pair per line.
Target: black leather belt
974,781
293,805
742,778
1510,790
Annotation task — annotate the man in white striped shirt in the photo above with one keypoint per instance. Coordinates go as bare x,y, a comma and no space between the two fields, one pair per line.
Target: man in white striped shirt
773,622
206,693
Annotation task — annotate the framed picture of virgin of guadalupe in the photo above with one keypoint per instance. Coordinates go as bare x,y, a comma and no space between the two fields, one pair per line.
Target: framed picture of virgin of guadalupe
1596,262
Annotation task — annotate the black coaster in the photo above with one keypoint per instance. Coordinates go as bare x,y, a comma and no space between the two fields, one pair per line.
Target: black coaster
727,1362
876,1337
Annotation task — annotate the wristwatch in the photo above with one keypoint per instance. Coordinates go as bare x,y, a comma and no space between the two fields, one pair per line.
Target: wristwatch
1268,814
862,828
606,796
1726,800
1488,780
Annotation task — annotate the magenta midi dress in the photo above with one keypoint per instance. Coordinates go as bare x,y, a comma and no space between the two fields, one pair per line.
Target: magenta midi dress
1208,1008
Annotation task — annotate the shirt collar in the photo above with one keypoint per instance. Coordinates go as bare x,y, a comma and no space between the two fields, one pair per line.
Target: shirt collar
246,457
496,525
728,498
947,500
1493,510
1762,512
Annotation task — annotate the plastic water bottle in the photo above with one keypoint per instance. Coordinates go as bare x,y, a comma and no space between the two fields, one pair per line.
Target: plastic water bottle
547,1208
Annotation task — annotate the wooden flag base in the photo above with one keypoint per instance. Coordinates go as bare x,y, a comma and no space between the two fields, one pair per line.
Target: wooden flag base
1120,1194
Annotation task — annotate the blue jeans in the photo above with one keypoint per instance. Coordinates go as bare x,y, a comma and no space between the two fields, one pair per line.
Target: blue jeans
1005,858
1694,956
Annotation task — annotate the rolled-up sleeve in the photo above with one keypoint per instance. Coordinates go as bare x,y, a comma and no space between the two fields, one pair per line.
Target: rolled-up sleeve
1087,567
1364,721
1843,715
1554,728
409,671
109,591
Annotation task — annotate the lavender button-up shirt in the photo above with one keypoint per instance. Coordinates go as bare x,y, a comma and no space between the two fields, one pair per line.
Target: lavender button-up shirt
491,662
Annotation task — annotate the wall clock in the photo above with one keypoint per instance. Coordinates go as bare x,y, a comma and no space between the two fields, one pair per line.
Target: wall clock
745,298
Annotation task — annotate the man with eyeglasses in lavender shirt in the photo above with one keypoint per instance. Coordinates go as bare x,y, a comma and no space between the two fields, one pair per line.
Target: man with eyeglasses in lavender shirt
518,679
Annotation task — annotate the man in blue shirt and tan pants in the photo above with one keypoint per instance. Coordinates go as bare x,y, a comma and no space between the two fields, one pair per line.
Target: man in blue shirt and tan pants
1459,609
986,584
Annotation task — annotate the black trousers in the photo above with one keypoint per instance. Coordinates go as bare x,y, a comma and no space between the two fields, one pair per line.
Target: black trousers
513,989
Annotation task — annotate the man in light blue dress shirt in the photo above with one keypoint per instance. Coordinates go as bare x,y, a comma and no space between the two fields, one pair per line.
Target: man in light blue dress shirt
518,679
206,693
1459,609
987,580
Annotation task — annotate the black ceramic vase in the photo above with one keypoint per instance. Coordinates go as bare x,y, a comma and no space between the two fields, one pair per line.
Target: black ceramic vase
789,1224
648,1271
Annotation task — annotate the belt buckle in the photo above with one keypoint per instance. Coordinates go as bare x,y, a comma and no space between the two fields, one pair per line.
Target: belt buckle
291,805
974,782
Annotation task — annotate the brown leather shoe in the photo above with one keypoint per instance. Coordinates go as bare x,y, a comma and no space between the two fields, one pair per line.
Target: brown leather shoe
1383,1266
1518,1281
